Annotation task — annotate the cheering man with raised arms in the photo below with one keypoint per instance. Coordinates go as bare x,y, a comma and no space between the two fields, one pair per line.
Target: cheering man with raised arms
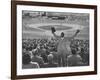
63,48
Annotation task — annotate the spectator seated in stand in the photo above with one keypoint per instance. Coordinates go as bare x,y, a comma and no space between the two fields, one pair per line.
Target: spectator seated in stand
26,62
55,56
50,63
44,47
74,59
37,58
42,52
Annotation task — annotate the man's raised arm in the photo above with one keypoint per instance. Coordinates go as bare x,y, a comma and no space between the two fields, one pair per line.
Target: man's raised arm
53,32
75,34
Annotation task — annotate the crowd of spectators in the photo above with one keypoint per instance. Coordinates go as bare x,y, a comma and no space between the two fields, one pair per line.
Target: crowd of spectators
42,53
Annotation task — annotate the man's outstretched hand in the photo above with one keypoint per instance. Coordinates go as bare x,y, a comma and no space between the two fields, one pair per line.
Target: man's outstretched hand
53,29
78,31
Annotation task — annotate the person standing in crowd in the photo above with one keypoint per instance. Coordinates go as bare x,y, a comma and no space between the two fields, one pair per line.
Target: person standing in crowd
63,48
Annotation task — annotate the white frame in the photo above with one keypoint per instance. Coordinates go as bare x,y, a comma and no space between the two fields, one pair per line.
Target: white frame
53,70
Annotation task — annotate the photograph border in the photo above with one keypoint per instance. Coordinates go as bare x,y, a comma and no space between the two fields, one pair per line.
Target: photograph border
14,39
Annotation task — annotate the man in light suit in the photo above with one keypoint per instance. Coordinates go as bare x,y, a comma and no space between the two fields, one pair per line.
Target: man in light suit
63,48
